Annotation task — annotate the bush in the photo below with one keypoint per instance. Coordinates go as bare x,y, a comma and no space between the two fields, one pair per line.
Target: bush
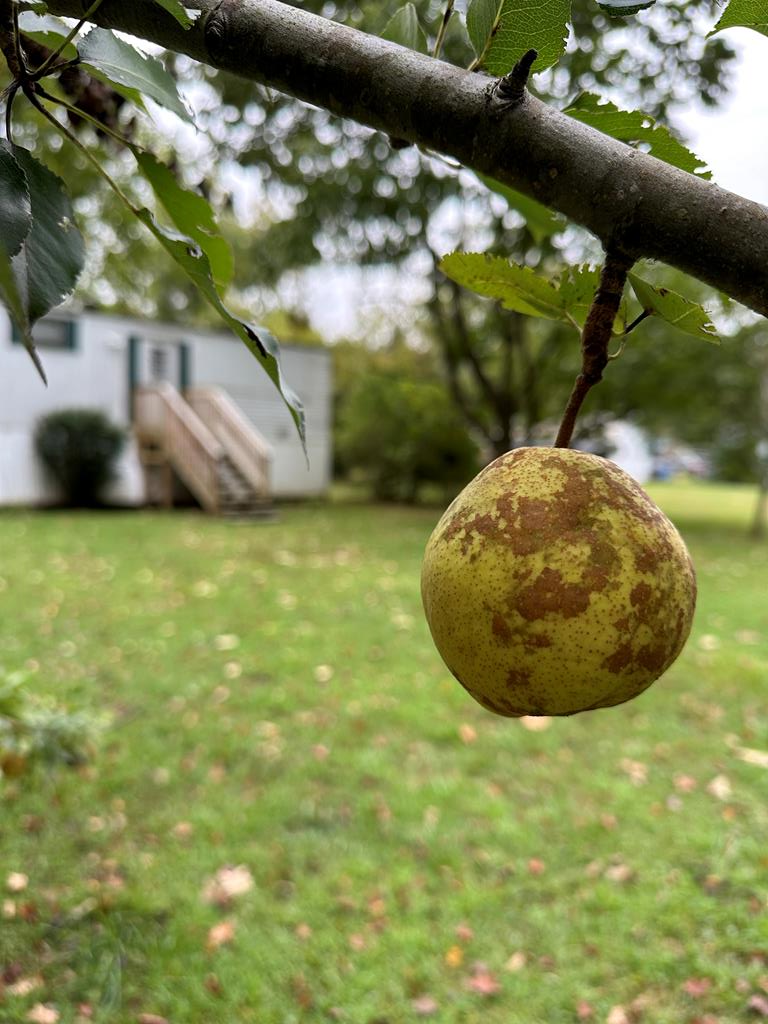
38,731
399,434
79,448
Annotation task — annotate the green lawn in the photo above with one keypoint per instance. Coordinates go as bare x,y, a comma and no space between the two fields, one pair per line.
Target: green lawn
278,707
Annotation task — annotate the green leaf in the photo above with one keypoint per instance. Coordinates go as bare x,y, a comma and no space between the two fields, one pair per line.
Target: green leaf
623,8
516,27
635,127
53,252
123,65
191,213
481,18
48,30
193,261
403,28
15,203
517,288
675,309
541,222
41,253
744,14
577,289
176,8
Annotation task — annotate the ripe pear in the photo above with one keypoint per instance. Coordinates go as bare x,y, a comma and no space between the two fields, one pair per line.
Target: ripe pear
553,584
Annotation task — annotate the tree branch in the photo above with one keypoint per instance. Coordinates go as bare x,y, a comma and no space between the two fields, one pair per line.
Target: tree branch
594,340
632,202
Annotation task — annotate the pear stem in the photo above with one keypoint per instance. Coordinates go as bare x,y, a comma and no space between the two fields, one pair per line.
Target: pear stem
595,339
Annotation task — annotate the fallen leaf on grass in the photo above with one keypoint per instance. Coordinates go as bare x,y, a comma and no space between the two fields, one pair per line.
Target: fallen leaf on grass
41,1013
151,1018
636,770
226,884
302,992
720,787
536,866
463,932
516,962
454,956
619,873
535,723
467,733
584,1011
750,756
303,931
758,1005
23,986
424,1006
220,934
617,1015
684,783
16,881
697,987
483,982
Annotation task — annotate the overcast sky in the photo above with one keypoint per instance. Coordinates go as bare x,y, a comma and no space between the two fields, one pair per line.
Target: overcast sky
733,139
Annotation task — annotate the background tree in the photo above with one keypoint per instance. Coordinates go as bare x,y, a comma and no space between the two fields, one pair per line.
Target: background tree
328,191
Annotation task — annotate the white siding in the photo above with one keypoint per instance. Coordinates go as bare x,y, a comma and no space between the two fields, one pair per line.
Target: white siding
95,375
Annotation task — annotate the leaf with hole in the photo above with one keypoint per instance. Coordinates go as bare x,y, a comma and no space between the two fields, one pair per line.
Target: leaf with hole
633,127
191,214
404,28
123,65
675,309
194,262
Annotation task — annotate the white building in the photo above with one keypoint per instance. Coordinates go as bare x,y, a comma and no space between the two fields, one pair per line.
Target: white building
230,438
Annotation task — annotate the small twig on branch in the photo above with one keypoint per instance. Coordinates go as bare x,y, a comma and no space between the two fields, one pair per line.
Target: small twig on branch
638,320
511,88
595,338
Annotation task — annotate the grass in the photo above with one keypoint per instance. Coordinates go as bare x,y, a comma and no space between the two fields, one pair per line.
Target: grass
277,704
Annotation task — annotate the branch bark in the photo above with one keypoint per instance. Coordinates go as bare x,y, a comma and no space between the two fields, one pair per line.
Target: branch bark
635,204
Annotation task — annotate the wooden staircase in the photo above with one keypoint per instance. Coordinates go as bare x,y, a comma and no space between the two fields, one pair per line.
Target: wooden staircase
205,440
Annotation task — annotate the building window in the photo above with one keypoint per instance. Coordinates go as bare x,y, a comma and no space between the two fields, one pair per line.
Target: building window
158,364
50,333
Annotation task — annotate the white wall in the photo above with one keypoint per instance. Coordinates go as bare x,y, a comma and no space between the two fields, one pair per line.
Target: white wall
95,374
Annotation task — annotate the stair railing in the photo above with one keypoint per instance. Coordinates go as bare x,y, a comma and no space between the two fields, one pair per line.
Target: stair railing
250,453
164,418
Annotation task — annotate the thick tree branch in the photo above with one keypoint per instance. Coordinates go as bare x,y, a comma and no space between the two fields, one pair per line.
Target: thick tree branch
632,202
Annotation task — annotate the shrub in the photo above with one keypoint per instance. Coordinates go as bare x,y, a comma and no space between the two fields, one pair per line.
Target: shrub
79,448
399,434
37,730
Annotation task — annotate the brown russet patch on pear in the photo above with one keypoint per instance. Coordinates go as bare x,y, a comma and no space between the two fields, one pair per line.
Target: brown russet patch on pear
548,593
622,657
640,595
518,677
501,629
653,657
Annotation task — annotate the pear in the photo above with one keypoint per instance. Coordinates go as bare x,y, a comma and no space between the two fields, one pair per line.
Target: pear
553,584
